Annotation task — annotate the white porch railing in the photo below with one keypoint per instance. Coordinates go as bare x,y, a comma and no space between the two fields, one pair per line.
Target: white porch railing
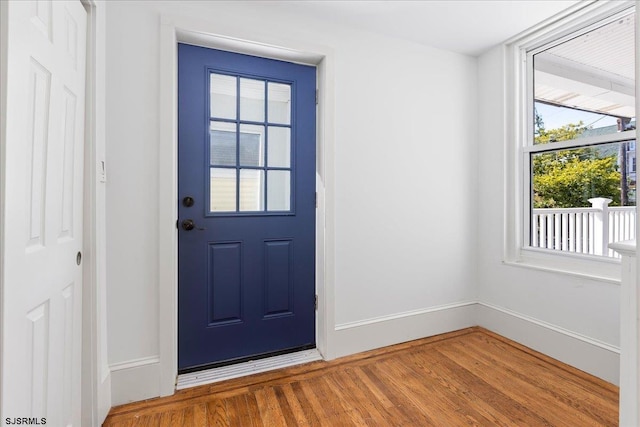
586,230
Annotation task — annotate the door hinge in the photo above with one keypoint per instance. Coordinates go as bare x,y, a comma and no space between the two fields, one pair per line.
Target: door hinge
316,96
316,199
316,302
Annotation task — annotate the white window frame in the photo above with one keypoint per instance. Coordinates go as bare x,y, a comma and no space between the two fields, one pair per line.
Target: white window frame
519,141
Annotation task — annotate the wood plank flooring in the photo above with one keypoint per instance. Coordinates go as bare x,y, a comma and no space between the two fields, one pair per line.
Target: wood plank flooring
468,377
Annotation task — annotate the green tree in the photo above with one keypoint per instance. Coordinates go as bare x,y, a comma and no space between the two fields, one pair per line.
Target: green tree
569,178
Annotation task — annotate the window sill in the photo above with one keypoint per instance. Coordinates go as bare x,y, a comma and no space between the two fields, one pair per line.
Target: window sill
591,267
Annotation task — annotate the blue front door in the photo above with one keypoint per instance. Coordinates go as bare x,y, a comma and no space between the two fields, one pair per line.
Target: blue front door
246,188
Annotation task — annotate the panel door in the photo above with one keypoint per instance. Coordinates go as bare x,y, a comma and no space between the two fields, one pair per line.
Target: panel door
43,183
246,186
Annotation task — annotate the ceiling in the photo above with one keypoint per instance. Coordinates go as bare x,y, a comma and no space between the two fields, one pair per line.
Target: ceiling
469,27
472,27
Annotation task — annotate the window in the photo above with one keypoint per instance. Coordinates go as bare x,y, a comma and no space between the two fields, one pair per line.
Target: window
578,138
249,145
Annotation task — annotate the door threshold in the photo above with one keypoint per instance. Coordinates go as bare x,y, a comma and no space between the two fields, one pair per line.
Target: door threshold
209,376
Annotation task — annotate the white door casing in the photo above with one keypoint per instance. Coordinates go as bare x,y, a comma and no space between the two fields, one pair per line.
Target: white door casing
44,141
202,32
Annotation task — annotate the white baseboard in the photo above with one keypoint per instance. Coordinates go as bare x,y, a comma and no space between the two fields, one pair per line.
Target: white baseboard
104,406
135,380
140,379
351,338
587,354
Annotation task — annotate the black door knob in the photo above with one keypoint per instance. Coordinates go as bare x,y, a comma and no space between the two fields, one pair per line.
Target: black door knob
189,225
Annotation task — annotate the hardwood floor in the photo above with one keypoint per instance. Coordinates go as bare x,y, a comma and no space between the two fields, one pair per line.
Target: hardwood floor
469,377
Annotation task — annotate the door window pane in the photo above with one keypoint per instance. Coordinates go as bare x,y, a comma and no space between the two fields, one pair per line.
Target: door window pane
279,147
252,100
279,190
279,103
251,190
251,145
222,137
223,96
223,190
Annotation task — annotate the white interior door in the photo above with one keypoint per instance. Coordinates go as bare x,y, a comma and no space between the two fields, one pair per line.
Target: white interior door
44,143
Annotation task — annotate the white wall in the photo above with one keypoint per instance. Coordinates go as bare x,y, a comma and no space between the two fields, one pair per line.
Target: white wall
404,172
574,319
132,135
405,158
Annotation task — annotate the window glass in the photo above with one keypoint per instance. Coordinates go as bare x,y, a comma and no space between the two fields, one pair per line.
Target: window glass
585,86
279,193
251,145
581,157
279,146
222,138
250,153
223,190
222,96
568,178
279,103
251,190
251,100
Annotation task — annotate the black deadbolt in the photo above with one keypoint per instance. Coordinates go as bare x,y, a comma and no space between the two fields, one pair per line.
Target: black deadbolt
188,201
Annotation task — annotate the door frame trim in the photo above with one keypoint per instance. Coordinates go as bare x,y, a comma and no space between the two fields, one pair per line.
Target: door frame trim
96,378
174,30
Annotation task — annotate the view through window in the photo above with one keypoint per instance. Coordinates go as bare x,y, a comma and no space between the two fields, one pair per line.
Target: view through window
581,156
